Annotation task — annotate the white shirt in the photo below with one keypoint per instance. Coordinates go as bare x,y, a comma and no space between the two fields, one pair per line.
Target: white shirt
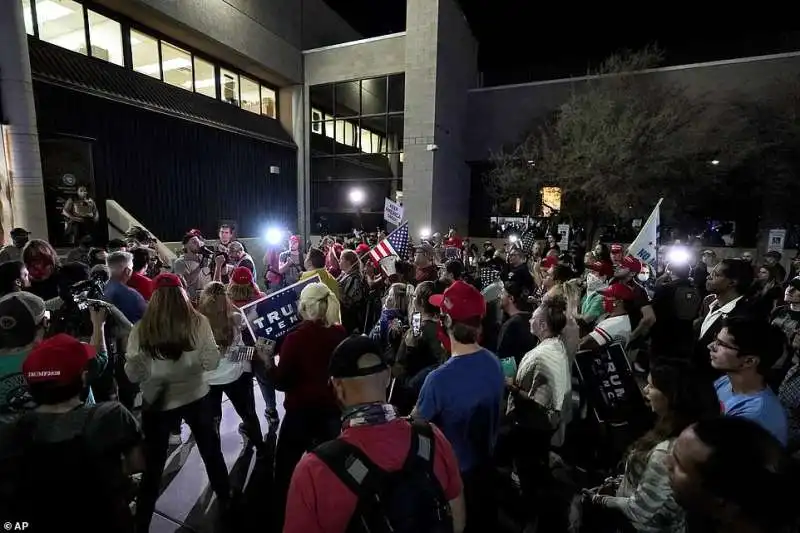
546,374
612,329
714,312
229,371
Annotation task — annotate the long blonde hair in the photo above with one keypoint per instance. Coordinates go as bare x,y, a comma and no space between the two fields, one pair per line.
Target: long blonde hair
318,303
217,307
169,325
242,292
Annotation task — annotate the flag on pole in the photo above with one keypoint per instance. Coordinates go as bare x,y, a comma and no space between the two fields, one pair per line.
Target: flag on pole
396,243
528,239
645,246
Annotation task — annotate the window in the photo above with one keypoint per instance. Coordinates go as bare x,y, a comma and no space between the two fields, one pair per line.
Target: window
105,36
144,52
27,14
176,64
373,96
397,93
366,141
205,81
61,23
348,99
251,99
229,83
269,105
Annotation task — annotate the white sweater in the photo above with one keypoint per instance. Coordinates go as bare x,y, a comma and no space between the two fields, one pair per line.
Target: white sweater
181,381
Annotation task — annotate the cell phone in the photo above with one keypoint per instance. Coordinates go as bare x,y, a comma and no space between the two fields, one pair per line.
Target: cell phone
416,324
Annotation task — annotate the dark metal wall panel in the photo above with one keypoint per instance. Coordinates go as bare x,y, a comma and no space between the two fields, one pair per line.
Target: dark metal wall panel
174,174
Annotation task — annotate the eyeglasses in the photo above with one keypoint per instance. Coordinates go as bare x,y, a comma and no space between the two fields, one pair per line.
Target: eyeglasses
717,343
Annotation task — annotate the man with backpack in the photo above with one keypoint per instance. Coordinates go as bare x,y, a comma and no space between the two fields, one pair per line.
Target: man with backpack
676,304
384,473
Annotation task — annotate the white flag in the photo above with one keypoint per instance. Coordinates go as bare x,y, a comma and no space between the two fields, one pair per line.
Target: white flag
645,246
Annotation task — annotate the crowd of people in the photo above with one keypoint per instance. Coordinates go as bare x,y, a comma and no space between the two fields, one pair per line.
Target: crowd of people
444,390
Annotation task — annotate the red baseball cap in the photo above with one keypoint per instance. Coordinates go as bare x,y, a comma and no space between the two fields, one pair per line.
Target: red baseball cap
549,261
242,276
362,248
461,301
618,291
616,248
167,280
61,360
630,264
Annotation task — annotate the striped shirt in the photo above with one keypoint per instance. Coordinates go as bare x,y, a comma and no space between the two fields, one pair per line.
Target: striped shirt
545,374
612,329
646,499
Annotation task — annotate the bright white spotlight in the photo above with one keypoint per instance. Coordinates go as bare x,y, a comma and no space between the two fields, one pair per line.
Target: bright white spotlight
715,162
425,233
274,236
678,255
356,196
513,239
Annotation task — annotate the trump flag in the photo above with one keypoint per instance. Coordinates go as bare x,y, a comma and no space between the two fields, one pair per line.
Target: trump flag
275,315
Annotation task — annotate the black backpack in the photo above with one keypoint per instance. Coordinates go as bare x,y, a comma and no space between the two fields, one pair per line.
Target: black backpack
75,486
410,500
687,302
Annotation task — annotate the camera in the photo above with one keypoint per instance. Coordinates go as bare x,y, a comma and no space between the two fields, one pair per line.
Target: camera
90,289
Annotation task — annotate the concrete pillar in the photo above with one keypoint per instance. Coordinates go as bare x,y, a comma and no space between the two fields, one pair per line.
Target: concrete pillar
441,66
293,105
21,137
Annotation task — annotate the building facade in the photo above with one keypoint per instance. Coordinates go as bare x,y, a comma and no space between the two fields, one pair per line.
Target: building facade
263,112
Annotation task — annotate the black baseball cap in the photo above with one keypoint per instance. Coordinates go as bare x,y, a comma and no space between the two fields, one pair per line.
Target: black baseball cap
346,356
21,313
20,232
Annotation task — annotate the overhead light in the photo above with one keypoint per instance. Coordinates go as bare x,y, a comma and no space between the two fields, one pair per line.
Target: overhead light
199,84
715,162
47,11
170,64
356,196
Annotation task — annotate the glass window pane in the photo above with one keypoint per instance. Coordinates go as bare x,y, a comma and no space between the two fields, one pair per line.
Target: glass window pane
321,97
27,14
269,102
144,52
316,127
61,23
204,80
230,86
366,141
373,96
251,99
106,38
177,66
328,129
395,136
348,99
397,92
376,125
316,115
340,127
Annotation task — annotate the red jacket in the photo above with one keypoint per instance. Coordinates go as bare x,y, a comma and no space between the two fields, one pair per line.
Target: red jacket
302,371
141,284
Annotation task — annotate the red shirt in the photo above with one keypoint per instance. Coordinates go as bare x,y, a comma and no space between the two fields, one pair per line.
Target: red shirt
319,502
302,371
141,284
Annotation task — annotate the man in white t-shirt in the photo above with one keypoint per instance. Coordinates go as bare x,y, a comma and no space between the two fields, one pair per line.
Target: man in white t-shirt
616,326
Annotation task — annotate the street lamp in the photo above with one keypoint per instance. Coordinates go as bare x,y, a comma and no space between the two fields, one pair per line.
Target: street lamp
356,197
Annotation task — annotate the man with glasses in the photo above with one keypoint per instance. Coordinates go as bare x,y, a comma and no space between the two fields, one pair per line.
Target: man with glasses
518,268
745,349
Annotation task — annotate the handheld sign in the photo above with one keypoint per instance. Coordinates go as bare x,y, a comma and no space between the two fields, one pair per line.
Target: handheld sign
275,315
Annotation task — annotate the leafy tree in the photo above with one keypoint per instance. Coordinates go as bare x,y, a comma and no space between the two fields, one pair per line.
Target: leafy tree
625,137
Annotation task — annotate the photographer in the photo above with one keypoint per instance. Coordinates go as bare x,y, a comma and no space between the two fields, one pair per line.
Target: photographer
194,265
78,294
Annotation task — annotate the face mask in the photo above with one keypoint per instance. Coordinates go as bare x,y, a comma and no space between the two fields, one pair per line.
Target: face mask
594,282
608,305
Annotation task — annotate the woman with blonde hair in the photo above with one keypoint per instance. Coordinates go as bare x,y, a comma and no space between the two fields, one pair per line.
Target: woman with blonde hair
234,375
242,288
169,351
312,414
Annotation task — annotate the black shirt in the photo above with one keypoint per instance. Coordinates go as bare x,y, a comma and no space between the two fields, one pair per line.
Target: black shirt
516,339
673,331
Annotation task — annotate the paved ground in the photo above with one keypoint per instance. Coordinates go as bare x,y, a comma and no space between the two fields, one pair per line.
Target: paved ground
186,504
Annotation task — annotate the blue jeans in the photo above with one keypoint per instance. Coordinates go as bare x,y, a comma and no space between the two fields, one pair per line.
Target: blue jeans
265,384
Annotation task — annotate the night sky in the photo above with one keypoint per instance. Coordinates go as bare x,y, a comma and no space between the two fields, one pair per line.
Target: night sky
519,42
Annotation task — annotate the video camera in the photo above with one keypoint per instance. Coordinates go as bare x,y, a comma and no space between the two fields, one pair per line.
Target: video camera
90,289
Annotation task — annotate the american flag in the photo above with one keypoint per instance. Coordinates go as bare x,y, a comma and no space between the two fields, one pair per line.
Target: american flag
395,244
488,276
451,252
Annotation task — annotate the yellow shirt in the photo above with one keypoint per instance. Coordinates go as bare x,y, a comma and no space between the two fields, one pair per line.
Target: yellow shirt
326,278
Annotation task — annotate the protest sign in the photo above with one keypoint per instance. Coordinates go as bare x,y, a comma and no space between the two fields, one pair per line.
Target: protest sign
392,212
275,315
